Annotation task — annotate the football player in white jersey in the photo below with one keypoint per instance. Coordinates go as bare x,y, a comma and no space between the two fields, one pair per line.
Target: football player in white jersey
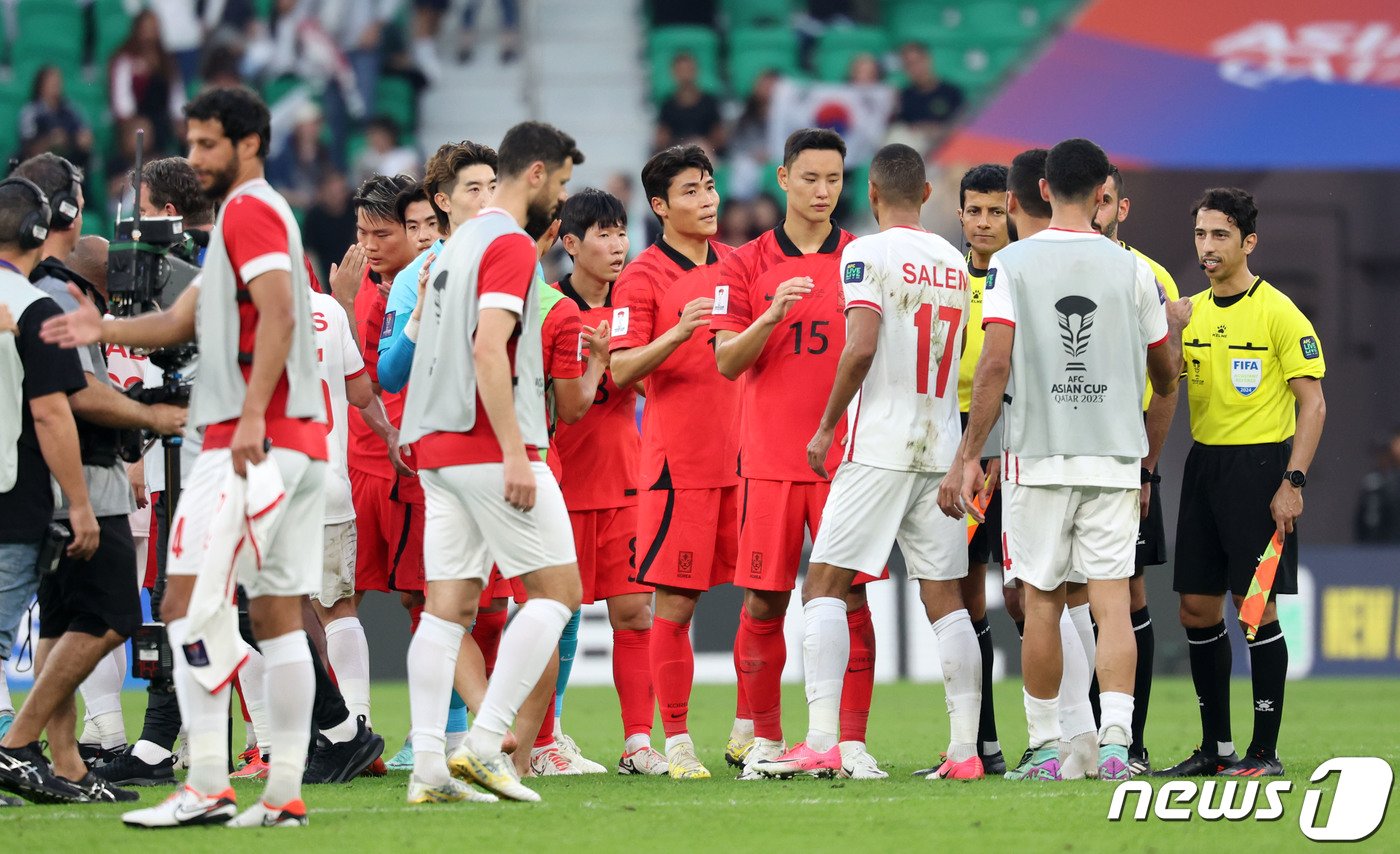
906,304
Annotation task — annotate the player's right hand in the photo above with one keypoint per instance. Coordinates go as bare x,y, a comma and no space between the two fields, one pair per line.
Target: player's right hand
817,449
787,294
396,455
423,272
695,315
520,483
83,524
347,275
167,419
993,477
1179,314
78,328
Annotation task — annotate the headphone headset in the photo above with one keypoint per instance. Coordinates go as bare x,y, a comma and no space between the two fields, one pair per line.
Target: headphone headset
34,229
64,203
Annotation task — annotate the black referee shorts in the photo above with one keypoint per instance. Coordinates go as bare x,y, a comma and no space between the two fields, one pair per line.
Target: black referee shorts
1225,524
985,545
1152,534
94,595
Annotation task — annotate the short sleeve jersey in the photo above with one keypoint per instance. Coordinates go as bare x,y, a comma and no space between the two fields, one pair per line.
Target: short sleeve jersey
258,243
1240,354
506,275
339,361
1169,288
600,451
690,423
367,452
972,351
786,389
905,416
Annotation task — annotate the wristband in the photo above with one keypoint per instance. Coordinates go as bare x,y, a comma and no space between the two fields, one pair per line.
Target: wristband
1149,476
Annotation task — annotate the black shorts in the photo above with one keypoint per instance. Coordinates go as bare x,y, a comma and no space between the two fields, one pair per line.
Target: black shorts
95,595
1225,524
1152,534
985,546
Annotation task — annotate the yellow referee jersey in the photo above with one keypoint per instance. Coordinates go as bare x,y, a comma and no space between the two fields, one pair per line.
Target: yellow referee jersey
1239,358
1169,285
973,335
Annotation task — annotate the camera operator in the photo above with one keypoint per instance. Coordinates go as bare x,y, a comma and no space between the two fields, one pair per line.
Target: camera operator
29,542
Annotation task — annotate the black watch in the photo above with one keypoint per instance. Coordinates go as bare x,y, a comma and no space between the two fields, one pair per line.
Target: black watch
1296,478
1149,476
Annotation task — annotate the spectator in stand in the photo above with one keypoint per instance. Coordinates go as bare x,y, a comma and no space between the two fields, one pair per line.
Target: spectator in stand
749,152
927,104
143,81
330,223
643,226
184,28
735,222
296,170
765,215
689,114
385,153
50,122
1378,508
220,67
357,28
510,30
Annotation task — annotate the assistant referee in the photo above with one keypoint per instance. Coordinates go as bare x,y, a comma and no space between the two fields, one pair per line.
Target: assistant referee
1253,370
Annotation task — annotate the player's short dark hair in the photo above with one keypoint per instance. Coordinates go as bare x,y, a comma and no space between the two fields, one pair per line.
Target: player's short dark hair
590,207
239,109
1119,187
16,202
812,139
1075,168
378,197
898,172
1235,203
440,173
172,181
53,174
1023,181
531,142
414,193
987,178
665,165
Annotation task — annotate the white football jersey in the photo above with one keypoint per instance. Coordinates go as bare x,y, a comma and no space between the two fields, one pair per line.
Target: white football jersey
905,416
338,359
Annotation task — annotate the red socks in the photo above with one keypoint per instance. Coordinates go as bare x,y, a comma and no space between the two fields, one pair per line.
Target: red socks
672,672
414,615
859,684
741,697
631,665
545,736
487,634
760,652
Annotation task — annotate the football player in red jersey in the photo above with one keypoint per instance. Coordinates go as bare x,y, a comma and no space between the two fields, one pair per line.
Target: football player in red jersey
779,322
688,505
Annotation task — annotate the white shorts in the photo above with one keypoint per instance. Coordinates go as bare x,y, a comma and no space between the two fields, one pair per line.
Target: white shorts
468,525
291,560
338,563
1055,534
870,509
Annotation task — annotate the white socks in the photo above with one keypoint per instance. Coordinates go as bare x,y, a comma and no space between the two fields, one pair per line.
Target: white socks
432,662
290,690
1076,715
252,684
149,752
102,701
1042,720
826,650
528,642
348,652
1116,713
6,704
205,715
962,681
636,742
1084,627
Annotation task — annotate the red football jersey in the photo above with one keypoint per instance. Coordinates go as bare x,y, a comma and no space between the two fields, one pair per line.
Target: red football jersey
690,423
599,452
257,243
786,389
366,451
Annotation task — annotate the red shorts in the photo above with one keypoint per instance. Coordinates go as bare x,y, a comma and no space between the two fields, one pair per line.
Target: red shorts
687,538
774,516
606,543
497,587
389,548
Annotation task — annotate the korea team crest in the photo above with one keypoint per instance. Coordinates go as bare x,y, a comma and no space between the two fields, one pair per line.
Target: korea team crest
1246,374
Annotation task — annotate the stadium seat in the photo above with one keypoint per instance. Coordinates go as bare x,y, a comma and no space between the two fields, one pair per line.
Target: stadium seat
753,51
113,26
394,97
747,13
855,192
919,17
666,42
839,45
1000,22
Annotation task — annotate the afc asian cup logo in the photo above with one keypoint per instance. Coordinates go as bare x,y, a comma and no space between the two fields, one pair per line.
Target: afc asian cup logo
1076,320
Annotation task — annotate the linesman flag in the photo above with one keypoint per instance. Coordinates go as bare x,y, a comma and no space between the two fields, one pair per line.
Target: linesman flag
1252,608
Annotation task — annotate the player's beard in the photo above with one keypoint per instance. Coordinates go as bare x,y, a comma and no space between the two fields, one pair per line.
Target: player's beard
222,181
539,215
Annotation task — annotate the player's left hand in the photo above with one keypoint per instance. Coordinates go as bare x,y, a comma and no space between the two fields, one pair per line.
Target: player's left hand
818,448
423,273
993,475
598,340
136,474
1144,500
249,443
396,455
1286,507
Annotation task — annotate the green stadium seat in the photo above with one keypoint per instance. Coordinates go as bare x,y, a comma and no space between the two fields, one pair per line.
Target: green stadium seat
394,97
113,26
95,220
999,22
839,45
666,42
855,192
754,51
746,13
922,16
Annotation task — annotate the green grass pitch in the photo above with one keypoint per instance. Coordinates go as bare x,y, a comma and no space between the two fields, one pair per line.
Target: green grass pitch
1325,718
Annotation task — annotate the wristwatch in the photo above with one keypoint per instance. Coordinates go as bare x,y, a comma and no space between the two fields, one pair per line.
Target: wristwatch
1297,478
1149,476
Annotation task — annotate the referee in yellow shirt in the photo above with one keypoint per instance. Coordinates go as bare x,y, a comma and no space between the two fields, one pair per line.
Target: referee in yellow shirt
1253,371
1152,532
